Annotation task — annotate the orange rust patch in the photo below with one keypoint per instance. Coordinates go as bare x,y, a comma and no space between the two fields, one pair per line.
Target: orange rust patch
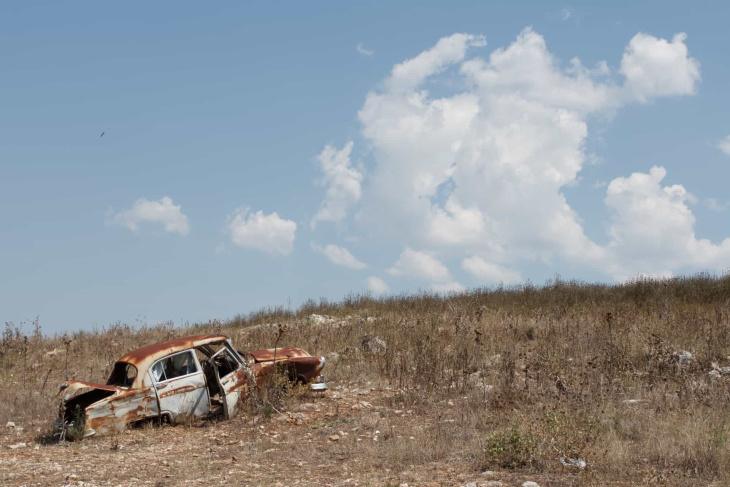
277,354
170,346
179,390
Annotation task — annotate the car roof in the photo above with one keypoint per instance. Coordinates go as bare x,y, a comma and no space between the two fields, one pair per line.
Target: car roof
143,357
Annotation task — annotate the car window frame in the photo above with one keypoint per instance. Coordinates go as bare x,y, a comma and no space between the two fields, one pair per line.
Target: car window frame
195,359
227,346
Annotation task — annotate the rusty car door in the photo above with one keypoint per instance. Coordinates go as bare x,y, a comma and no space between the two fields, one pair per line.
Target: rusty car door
180,386
232,375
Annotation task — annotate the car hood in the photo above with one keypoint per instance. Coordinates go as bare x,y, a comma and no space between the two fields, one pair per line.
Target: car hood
73,388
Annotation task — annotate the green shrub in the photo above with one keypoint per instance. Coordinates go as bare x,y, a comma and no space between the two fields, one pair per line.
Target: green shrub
510,448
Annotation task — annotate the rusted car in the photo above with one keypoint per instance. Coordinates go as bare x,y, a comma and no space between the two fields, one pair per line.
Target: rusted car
197,376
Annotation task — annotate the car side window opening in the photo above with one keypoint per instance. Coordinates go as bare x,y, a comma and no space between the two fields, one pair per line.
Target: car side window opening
174,366
123,375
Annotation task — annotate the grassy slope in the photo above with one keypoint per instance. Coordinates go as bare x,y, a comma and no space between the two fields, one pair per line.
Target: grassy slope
523,375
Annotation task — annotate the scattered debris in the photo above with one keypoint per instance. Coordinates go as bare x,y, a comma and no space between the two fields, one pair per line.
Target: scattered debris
373,344
713,375
633,401
684,357
573,462
717,372
55,352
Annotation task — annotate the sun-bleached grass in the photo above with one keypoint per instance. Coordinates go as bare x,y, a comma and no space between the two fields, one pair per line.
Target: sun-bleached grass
585,370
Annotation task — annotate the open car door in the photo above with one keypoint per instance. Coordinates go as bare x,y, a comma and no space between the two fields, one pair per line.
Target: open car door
231,373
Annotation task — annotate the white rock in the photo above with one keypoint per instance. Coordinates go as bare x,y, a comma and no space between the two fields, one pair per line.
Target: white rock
713,375
373,344
684,357
320,319
17,445
10,425
530,483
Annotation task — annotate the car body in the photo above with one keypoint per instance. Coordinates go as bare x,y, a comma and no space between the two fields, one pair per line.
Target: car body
196,376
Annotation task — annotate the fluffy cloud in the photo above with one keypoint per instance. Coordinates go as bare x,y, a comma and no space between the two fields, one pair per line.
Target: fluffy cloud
269,233
652,228
162,212
419,265
488,271
724,145
377,285
342,181
409,74
656,67
340,256
480,172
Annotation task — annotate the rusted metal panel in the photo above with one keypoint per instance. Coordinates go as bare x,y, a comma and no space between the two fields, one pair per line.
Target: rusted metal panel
183,397
73,388
270,354
116,412
143,357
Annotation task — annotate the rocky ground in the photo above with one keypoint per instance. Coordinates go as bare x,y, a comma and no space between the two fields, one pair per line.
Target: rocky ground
567,385
331,439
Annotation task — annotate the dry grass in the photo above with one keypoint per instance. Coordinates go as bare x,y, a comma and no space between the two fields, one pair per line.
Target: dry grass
508,378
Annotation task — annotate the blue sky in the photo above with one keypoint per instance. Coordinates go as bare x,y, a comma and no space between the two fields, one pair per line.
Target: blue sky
261,155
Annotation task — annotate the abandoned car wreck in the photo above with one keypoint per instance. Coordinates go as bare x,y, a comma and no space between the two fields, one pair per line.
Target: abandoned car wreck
198,376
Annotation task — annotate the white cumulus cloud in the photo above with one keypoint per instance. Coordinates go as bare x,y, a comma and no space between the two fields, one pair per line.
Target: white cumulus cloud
657,67
340,256
269,233
162,212
377,285
409,74
480,170
419,265
342,181
652,228
724,145
488,271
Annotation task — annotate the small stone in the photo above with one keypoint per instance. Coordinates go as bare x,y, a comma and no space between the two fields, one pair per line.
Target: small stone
10,425
373,344
17,445
684,357
713,375
530,483
334,437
